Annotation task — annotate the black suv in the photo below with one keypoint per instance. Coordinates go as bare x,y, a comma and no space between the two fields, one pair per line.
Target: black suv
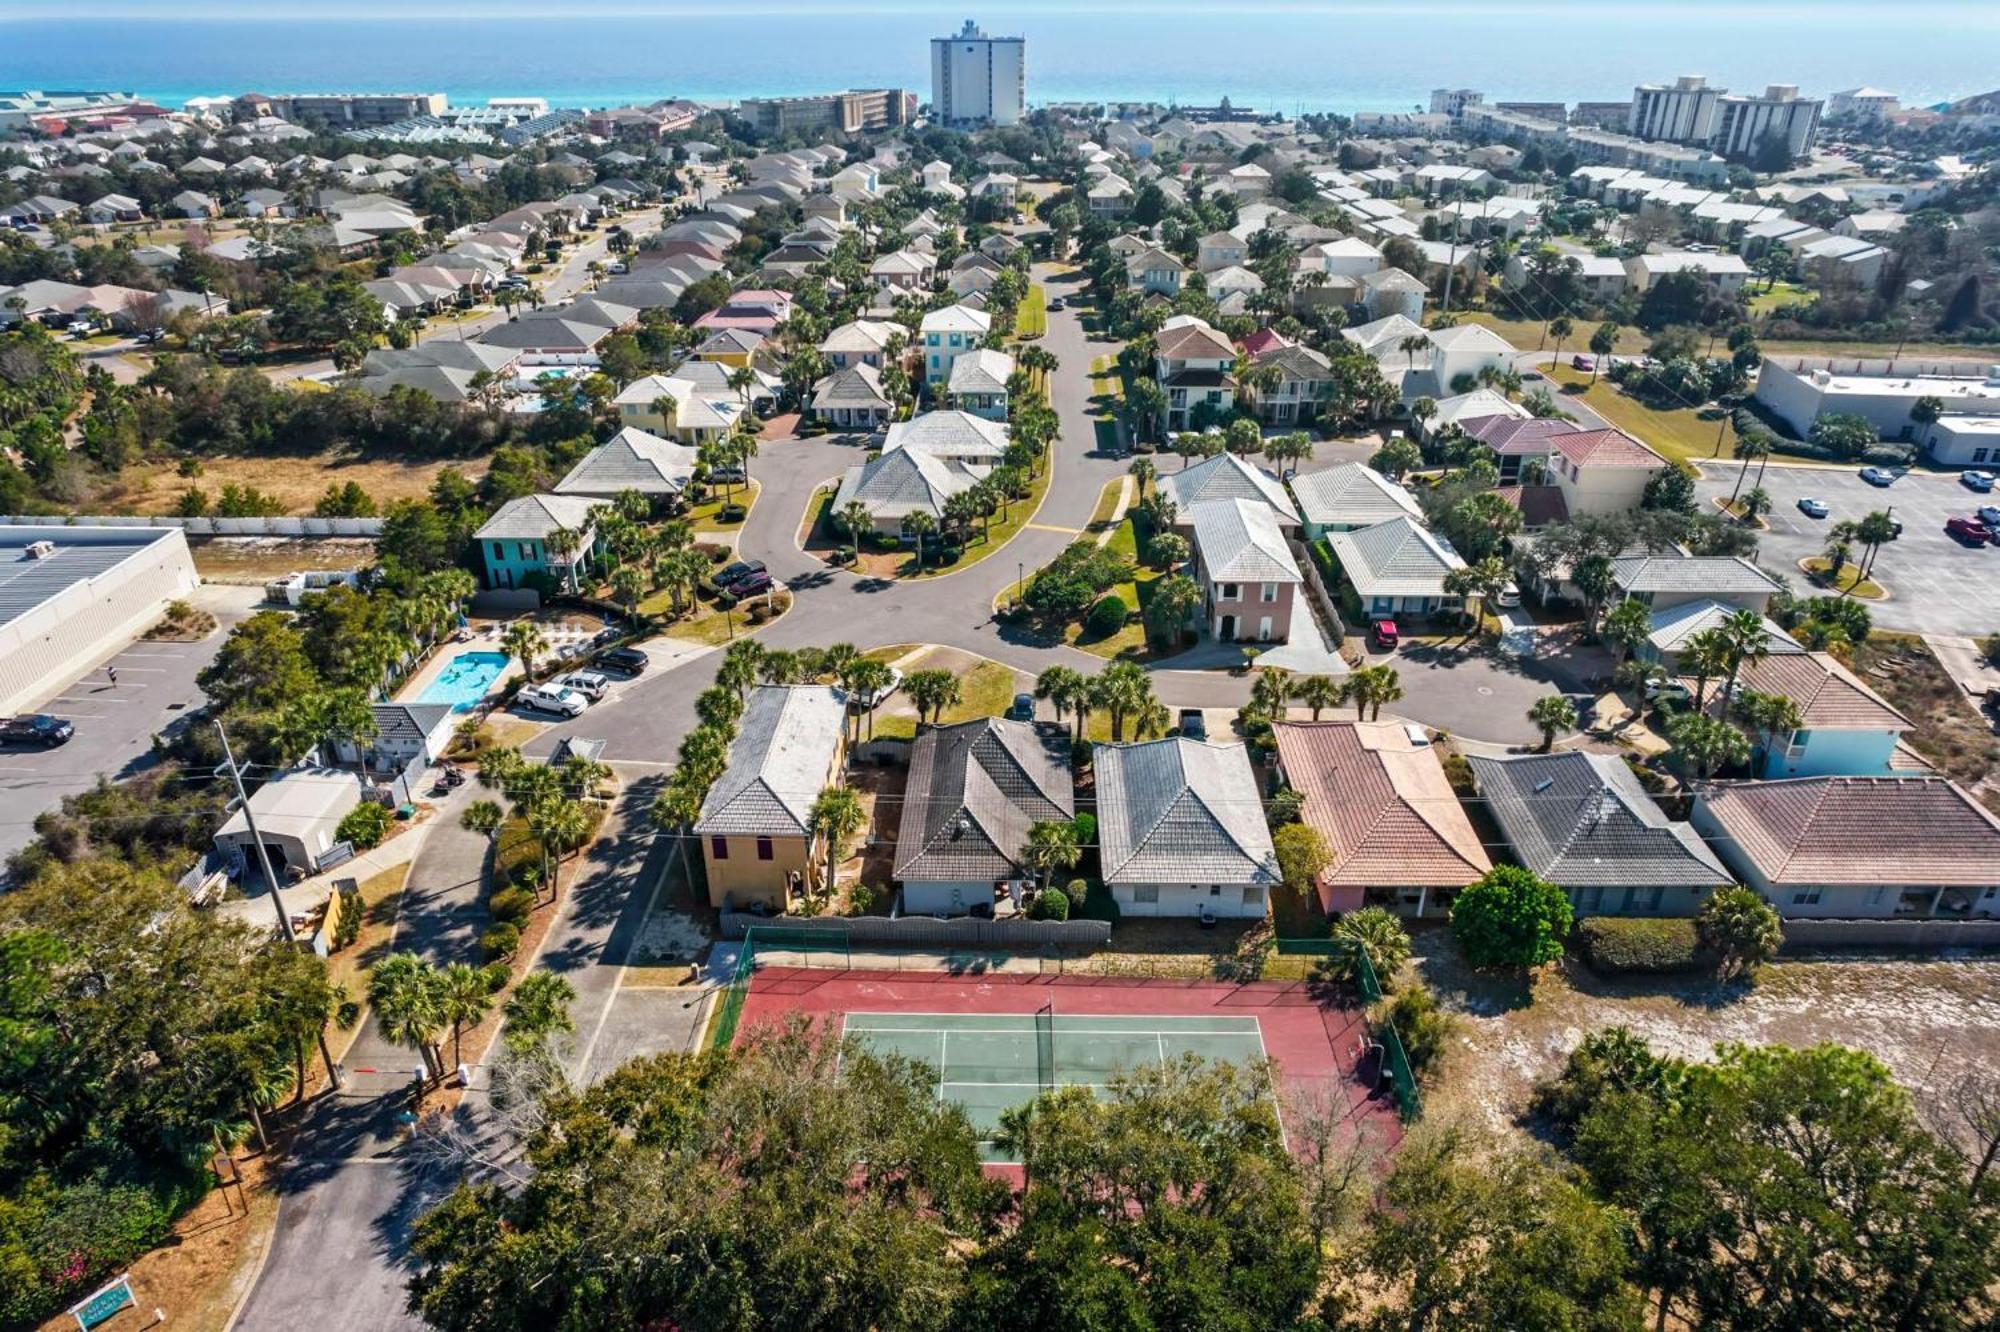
629,661
37,729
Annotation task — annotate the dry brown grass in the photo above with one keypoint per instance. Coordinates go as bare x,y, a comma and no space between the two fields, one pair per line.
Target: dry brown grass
295,482
254,560
1951,731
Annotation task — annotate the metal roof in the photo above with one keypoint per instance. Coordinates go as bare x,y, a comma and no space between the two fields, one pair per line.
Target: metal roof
1584,821
81,554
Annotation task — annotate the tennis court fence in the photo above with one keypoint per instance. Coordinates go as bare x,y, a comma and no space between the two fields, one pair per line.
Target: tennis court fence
829,944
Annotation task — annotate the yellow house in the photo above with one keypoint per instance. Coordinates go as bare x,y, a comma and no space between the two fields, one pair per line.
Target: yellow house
755,831
1601,471
733,347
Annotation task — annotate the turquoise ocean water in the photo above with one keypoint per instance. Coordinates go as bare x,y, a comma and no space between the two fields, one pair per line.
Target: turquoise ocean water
1284,56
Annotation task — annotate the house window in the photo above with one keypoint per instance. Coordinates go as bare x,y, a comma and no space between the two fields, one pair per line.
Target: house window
1214,890
499,551
718,848
1228,592
1252,895
1267,592
1979,455
763,848
527,550
1878,892
1146,892
1806,897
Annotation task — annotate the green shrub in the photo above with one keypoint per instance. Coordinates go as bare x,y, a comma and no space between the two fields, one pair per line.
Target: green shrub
1086,831
59,1241
1050,904
1077,890
500,942
861,900
348,927
1642,945
365,825
1423,1026
1459,773
1079,753
1107,617
511,906
1377,931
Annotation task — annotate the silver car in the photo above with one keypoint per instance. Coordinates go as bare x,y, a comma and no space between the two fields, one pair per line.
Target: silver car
588,683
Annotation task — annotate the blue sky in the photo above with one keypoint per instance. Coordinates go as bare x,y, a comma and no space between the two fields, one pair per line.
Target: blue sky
1979,13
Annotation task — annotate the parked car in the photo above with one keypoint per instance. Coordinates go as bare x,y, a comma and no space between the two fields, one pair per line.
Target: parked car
1969,530
588,683
1509,598
1022,708
553,698
1974,480
37,728
80,328
625,660
750,585
731,474
1385,634
1878,476
1669,691
1988,514
1057,304
737,572
1812,508
1582,362
620,266
1193,724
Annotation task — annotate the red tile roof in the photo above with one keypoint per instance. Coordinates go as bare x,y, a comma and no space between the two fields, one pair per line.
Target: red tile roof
1606,448
1829,697
1859,830
1539,505
1382,803
1517,435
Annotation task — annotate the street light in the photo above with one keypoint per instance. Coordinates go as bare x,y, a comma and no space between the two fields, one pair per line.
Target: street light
1020,581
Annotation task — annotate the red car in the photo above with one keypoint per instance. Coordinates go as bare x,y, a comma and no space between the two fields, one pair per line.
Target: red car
1583,362
1385,634
1969,530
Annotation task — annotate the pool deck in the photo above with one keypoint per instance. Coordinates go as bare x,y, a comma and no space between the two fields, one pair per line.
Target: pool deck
485,637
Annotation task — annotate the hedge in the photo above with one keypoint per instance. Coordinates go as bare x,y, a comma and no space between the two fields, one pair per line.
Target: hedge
1642,945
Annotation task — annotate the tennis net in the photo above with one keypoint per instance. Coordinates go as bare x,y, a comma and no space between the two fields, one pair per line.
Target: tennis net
1045,1045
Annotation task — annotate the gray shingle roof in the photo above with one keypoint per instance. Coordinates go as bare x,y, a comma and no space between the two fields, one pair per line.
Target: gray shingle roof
1584,821
975,790
532,517
778,764
1399,558
407,721
1224,477
904,481
1352,494
632,459
860,385
949,434
1180,811
1238,541
1691,573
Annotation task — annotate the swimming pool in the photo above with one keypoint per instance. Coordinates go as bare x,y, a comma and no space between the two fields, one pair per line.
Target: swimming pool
465,680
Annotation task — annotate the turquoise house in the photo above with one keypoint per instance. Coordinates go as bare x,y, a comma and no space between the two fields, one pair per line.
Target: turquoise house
1848,729
514,545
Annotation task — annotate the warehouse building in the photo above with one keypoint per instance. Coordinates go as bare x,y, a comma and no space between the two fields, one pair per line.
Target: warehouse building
72,595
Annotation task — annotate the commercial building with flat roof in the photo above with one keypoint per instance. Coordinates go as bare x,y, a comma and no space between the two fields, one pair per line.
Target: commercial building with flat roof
850,112
978,80
1799,397
71,595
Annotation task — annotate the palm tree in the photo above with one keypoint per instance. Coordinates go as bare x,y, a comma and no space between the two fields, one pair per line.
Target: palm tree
1748,446
1749,643
1123,690
1629,624
1559,328
481,816
628,585
1874,531
524,639
1175,598
932,692
1551,714
1052,845
1707,742
536,1010
1372,686
465,997
1602,343
1706,656
1319,692
1756,504
682,571
1839,548
406,993
854,519
836,816
739,665
562,544
865,679
558,826
1410,345
917,526
1144,472
1271,694
1770,716
1062,686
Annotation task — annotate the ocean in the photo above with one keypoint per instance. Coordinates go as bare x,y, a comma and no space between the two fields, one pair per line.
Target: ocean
1286,55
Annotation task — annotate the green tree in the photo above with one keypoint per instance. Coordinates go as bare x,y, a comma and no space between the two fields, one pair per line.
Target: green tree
537,1011
1843,434
1378,933
465,997
1123,690
1065,688
1397,458
1552,714
524,639
1302,856
1175,598
1511,918
1320,692
1768,716
1628,624
835,817
932,692
1740,928
1706,743
407,996
1052,845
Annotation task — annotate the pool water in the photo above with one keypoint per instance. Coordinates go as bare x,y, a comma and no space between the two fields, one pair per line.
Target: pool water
465,680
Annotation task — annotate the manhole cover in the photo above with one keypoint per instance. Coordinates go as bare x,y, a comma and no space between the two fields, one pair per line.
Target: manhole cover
1486,689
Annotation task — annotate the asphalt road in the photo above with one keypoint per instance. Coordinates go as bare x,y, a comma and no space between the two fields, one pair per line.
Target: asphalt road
1936,584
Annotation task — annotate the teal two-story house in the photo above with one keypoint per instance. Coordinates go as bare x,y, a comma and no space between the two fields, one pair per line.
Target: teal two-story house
516,542
948,334
1846,730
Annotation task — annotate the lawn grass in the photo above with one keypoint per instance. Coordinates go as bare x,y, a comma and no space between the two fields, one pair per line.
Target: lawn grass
985,691
1000,529
1849,582
1763,303
706,515
1683,434
1107,389
351,967
1524,334
715,627
1528,335
1109,504
1031,316
1136,593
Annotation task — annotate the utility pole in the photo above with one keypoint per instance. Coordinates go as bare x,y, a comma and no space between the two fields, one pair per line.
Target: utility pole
235,771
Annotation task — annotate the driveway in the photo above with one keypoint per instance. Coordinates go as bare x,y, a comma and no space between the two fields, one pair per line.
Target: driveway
1936,585
115,721
1483,692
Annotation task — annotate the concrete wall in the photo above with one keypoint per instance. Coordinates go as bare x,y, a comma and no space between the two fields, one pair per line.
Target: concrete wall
1805,934
1226,900
62,636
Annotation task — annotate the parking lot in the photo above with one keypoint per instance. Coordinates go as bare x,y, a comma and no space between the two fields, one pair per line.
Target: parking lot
115,724
1936,584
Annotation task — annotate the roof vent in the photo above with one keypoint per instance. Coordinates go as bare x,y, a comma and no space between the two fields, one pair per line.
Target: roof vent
1544,785
41,550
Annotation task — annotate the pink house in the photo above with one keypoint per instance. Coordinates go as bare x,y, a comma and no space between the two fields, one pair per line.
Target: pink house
1249,580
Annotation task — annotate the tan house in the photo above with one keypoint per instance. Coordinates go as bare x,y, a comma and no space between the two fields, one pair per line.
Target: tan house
1601,471
755,826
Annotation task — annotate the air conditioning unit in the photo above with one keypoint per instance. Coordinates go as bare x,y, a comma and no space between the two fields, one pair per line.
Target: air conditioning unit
41,550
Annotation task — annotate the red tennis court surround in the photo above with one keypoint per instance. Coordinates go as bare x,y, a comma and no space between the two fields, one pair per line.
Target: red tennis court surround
1315,1043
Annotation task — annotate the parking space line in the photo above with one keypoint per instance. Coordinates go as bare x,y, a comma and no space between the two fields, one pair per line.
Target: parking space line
143,670
64,698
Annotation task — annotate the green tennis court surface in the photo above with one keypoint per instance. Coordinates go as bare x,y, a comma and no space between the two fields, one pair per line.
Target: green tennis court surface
991,1062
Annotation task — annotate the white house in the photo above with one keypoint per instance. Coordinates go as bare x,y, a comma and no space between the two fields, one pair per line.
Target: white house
1181,830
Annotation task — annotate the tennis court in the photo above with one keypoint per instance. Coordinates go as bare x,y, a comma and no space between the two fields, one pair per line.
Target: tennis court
991,1062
